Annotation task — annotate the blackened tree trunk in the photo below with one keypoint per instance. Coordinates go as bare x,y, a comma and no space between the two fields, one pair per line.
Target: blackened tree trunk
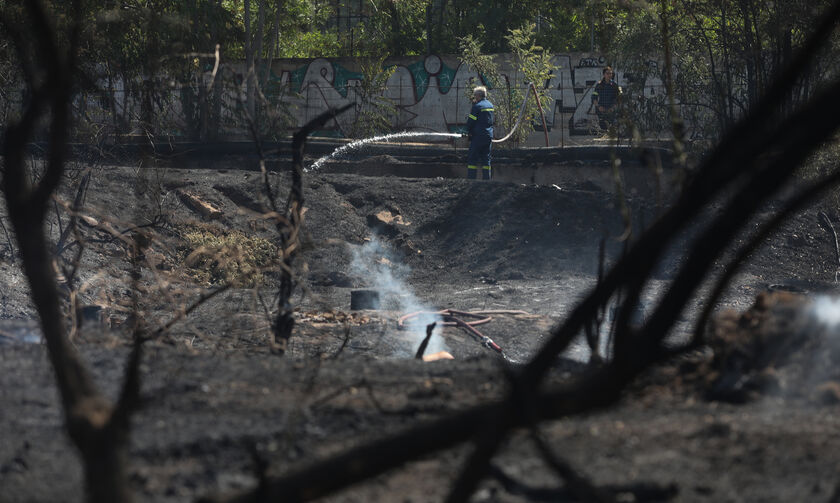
98,429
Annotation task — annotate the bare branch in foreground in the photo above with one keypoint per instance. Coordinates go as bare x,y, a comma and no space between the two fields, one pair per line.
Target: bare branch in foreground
430,328
98,430
742,170
289,235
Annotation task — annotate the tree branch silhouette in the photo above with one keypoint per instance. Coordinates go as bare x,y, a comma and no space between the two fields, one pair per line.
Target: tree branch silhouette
98,429
755,159
290,233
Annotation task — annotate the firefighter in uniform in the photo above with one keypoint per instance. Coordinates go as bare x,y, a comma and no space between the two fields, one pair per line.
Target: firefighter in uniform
480,131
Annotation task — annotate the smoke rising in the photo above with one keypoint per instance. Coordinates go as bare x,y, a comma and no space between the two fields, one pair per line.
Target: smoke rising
381,270
827,310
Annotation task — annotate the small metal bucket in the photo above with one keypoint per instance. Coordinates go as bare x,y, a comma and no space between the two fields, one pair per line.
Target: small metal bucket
364,299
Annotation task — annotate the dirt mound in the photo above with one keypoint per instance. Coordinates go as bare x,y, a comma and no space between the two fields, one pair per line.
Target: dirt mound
498,230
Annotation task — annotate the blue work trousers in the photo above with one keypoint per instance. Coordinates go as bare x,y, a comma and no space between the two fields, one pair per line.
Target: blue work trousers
479,157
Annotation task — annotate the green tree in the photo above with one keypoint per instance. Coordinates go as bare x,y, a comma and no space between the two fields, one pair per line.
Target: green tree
534,63
559,26
531,63
485,66
725,54
374,111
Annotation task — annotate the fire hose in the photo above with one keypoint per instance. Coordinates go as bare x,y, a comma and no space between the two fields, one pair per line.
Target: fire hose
522,114
452,317
515,126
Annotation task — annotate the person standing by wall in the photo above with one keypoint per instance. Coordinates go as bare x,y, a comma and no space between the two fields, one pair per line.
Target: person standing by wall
605,98
480,131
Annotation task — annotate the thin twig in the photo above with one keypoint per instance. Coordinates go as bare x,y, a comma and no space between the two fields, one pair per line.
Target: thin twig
344,342
129,399
827,221
640,491
182,313
11,243
579,485
284,321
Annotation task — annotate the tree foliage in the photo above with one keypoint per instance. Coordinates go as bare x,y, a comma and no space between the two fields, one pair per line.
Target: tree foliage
374,111
725,53
142,58
532,64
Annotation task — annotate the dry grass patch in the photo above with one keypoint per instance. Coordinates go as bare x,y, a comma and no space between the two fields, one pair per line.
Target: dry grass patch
216,256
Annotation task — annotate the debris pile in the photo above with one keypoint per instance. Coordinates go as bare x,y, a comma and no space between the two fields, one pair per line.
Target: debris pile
786,344
332,317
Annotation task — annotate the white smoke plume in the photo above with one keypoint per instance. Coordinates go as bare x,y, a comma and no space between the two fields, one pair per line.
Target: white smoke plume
827,310
379,267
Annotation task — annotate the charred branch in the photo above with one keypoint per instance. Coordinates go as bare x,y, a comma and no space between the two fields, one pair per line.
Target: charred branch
638,492
825,221
753,161
289,234
98,429
430,329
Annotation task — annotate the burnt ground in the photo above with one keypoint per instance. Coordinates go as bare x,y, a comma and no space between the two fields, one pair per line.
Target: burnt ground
747,425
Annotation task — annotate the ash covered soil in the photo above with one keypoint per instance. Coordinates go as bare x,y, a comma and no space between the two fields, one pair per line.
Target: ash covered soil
710,426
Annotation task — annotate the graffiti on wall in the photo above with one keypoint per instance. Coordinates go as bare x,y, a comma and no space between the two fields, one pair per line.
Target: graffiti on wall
429,94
